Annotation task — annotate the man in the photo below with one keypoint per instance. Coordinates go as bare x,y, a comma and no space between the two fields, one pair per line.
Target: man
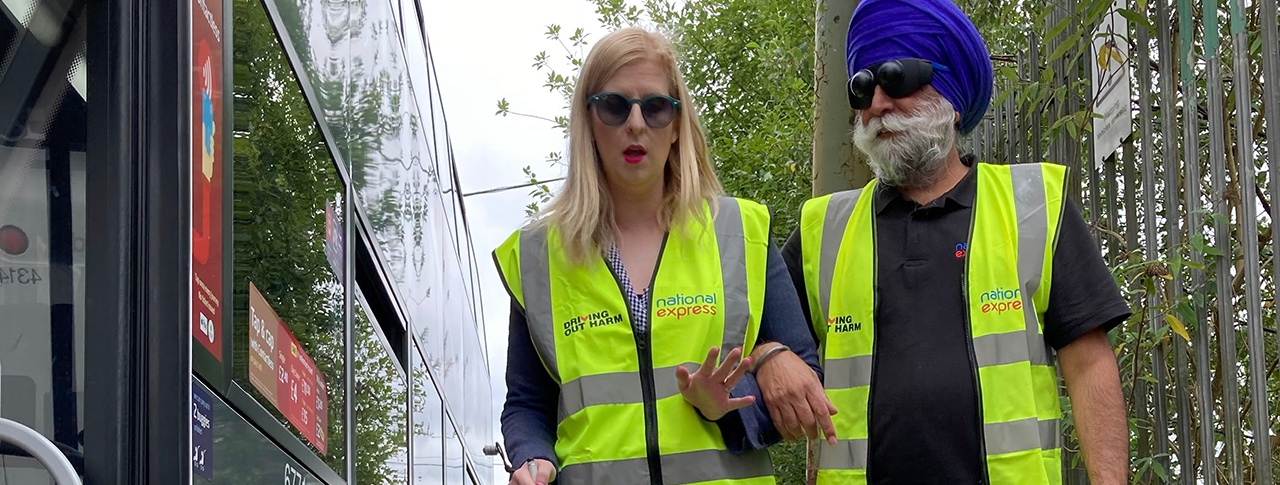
943,291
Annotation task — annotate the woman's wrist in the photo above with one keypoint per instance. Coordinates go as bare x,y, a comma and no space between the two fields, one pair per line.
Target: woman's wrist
534,467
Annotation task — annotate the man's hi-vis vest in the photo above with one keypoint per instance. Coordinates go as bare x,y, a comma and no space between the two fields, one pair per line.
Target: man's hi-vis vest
1008,267
622,419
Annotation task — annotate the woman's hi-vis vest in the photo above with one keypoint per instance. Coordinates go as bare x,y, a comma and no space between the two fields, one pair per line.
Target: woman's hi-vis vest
1008,267
622,419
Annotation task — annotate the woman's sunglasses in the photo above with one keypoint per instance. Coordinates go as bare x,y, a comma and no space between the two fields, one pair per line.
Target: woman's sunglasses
898,78
613,109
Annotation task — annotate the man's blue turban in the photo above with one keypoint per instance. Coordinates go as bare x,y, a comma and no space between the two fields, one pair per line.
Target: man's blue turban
934,30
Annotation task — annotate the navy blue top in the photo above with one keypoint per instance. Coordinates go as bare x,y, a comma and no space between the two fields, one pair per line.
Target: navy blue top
529,415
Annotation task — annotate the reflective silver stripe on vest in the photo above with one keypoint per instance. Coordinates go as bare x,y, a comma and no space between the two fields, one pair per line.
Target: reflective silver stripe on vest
1022,435
679,468
1033,232
1001,348
616,388
848,372
711,465
845,455
1050,434
839,209
1011,436
733,271
535,281
597,389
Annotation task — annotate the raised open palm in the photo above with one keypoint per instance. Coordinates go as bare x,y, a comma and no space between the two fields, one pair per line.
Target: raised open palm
708,388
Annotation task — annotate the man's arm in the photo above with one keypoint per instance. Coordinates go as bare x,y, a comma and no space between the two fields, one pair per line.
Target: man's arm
1093,383
1085,303
791,382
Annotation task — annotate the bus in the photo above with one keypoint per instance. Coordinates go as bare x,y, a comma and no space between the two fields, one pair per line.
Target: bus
233,249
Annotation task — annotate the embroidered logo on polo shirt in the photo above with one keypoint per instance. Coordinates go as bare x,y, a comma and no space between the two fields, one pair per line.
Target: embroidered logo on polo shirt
961,250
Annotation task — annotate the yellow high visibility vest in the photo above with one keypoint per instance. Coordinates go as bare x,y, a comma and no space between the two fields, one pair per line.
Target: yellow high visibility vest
1008,269
621,417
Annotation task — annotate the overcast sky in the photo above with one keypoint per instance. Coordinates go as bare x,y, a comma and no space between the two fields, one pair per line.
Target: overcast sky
484,52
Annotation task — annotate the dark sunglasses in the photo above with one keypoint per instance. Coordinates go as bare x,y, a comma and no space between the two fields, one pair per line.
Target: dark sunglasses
898,78
614,109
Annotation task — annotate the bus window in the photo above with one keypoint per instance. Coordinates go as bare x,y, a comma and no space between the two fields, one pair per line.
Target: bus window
289,248
42,226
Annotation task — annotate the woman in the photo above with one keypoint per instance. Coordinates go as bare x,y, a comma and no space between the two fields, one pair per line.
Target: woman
637,272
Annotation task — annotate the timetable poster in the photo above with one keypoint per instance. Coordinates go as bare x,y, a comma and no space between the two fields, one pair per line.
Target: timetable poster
281,370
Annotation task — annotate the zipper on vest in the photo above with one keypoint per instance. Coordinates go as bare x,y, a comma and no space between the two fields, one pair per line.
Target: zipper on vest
644,354
973,362
875,356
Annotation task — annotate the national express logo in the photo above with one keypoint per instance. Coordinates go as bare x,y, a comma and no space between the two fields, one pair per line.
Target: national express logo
597,319
1001,300
682,305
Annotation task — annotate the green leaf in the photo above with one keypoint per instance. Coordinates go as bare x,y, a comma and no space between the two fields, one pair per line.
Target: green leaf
1061,50
1058,28
1159,470
754,45
1141,471
1177,326
1133,17
1184,310
1003,96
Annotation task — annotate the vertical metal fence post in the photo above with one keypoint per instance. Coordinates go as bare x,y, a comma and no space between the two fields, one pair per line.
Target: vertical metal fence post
1150,242
1025,114
1192,195
979,141
1131,190
978,146
1159,363
1036,151
1095,197
997,133
1111,197
990,139
1271,96
1059,66
1074,105
1011,124
1249,242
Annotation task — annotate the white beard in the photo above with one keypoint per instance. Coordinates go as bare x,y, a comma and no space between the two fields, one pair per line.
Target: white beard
917,154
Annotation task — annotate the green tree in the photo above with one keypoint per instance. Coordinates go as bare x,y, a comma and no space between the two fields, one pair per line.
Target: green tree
749,67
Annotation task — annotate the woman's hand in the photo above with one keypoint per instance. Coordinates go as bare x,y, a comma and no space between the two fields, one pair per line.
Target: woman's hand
708,388
543,473
795,398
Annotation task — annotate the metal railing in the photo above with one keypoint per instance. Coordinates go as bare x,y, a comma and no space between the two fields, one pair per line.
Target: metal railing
1177,214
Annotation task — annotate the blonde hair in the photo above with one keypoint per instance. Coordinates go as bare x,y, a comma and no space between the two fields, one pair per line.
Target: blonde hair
583,209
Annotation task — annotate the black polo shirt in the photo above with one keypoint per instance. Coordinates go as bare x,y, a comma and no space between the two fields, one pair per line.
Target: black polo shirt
924,407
